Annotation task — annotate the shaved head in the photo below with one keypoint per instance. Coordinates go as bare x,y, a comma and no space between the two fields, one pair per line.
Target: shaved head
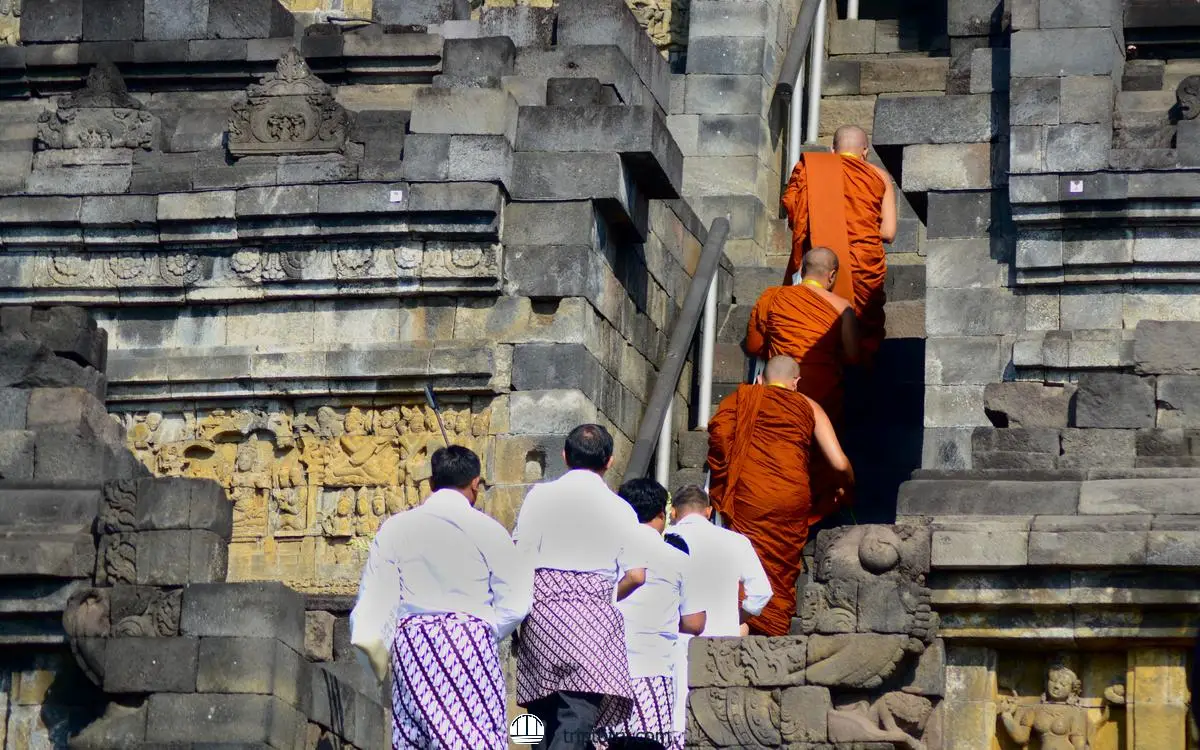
820,261
781,369
850,138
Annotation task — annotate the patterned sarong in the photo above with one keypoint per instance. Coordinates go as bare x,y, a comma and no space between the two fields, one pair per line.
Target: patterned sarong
574,640
652,717
448,690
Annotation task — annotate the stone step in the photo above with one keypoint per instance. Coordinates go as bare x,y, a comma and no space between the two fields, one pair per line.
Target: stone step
41,506
62,555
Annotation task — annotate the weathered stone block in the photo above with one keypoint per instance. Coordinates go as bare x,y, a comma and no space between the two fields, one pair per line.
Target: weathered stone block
954,166
903,74
963,264
16,454
1078,148
981,542
839,110
803,713
1034,101
723,95
962,360
318,636
960,214
1178,401
964,498
934,119
150,665
1016,439
1171,348
1075,14
1114,400
63,555
1086,99
247,610
471,111
842,77
161,558
215,718
730,55
526,25
976,18
1075,541
408,13
65,457
52,21
549,411
1143,75
715,662
247,19
1065,52
851,37
1142,495
973,312
71,410
249,665
1097,449
989,70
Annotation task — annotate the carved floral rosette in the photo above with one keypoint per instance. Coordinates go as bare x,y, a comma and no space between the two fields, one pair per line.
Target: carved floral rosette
290,111
101,116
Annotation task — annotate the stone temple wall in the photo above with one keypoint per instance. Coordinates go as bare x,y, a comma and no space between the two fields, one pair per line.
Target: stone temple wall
288,231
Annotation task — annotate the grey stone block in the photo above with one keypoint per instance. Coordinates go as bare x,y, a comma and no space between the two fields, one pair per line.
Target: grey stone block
803,712
1100,309
1086,99
248,19
981,543
972,360
1075,541
206,717
16,455
526,25
934,119
1016,439
1074,14
946,448
66,457
52,21
1143,75
14,405
1034,101
1167,347
150,665
1064,52
176,19
248,610
729,55
249,665
1114,400
601,22
538,175
473,111
173,558
1077,148
639,134
546,366
1008,460
69,332
973,312
573,92
922,497
842,77
729,18
118,20
1097,449
27,553
1139,496
960,214
976,18
963,264
318,636
73,411
723,95
410,13
489,56
989,70
1178,401
852,37
951,166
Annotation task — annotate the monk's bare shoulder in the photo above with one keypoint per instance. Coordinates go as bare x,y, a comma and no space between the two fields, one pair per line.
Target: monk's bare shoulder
838,303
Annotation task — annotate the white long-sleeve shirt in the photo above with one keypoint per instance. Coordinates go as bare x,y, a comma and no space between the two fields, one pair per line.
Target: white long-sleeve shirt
577,523
721,559
443,556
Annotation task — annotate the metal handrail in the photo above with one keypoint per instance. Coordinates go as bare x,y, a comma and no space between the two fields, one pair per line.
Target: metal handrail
677,349
802,32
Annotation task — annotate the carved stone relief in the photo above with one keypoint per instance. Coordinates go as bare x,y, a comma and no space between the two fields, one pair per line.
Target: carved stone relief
1061,718
290,111
309,486
101,116
664,20
10,22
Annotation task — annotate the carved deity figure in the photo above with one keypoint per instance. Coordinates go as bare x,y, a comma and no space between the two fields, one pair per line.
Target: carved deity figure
1187,93
894,717
358,458
341,521
1057,720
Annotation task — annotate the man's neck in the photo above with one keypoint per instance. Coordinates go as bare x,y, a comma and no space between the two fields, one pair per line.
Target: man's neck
685,515
787,386
814,284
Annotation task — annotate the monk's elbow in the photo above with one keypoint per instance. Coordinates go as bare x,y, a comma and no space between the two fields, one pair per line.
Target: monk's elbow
888,236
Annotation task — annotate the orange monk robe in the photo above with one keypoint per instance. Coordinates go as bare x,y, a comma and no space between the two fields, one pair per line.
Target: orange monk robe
798,322
842,212
758,450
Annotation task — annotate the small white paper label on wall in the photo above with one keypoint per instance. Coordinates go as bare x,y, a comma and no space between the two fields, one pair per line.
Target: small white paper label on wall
1073,186
397,196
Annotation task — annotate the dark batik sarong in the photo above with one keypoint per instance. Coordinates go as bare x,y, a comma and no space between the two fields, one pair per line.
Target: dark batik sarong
574,640
448,688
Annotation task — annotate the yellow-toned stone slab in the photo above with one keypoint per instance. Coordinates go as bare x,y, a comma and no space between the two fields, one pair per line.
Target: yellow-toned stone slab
1157,698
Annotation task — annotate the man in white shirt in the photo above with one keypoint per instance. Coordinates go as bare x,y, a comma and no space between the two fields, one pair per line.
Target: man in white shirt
723,562
655,615
441,587
580,539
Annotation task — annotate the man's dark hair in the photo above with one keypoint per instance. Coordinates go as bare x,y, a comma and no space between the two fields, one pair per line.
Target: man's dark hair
589,446
690,496
454,467
678,543
647,497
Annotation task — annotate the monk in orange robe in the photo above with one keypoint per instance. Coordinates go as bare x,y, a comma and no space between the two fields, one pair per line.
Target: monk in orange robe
810,324
759,443
840,201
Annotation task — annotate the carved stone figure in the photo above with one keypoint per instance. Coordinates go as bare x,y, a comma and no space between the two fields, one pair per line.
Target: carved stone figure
771,662
1057,719
880,721
10,22
120,505
102,115
159,616
290,111
733,717
341,521
1187,93
359,458
86,621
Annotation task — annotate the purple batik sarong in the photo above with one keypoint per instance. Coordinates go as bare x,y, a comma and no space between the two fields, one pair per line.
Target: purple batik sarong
574,641
448,689
652,714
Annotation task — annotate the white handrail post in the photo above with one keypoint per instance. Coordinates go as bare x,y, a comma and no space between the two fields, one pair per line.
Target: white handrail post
795,123
852,9
708,342
662,463
816,68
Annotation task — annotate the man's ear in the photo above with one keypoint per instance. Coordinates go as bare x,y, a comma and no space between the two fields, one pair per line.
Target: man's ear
708,512
758,379
608,465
